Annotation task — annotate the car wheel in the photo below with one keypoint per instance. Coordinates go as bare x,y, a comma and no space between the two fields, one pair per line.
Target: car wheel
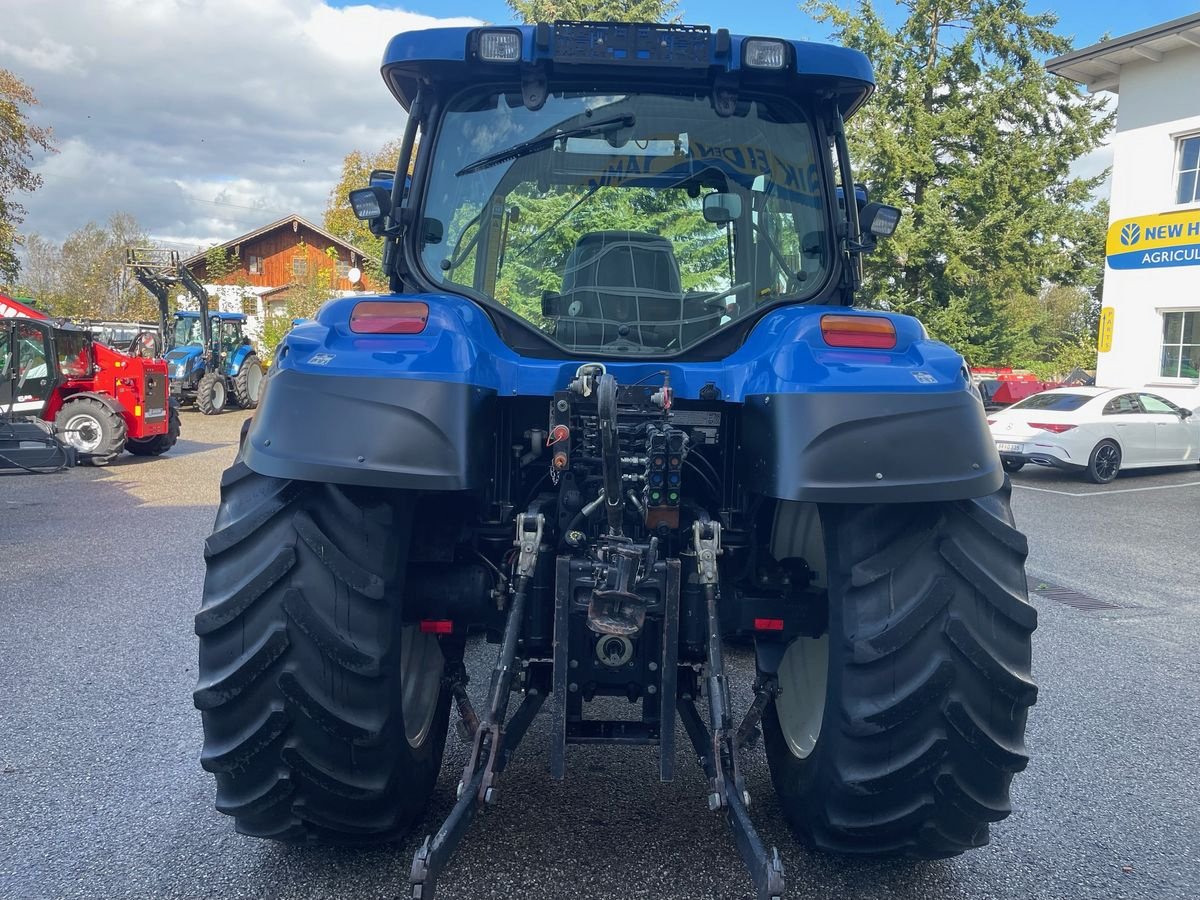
1012,465
1104,463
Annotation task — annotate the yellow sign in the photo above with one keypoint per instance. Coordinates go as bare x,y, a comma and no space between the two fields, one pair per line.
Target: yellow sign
1155,241
1104,339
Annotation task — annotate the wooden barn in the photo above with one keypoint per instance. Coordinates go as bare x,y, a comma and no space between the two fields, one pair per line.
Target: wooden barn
265,265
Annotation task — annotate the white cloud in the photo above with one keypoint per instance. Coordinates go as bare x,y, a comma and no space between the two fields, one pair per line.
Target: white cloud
203,118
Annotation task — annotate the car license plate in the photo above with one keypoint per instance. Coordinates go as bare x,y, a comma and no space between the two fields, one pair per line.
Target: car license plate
1003,447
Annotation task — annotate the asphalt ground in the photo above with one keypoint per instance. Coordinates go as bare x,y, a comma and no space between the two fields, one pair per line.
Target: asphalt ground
101,794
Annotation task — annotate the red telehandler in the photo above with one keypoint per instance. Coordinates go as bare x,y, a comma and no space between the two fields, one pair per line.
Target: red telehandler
100,400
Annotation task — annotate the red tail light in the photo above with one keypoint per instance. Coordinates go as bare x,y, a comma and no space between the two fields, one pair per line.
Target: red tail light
768,624
991,421
1055,427
862,332
389,317
437,626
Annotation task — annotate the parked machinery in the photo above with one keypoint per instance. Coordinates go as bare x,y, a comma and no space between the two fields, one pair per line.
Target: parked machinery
210,358
100,400
616,405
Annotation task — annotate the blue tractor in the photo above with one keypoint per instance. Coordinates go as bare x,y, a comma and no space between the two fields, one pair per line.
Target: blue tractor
209,365
617,408
209,358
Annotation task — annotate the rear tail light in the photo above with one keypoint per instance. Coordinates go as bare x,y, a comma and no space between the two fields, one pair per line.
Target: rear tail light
389,317
861,332
1055,427
991,421
437,626
768,624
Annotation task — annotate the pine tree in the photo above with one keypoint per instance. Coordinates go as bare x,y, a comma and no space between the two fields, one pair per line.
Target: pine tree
972,137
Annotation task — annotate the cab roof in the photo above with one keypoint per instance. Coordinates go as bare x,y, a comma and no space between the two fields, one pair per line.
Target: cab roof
441,54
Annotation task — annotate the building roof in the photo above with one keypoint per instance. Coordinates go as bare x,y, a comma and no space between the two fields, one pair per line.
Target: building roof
291,220
1099,66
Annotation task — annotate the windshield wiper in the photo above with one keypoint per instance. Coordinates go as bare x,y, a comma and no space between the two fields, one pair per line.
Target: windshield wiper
516,151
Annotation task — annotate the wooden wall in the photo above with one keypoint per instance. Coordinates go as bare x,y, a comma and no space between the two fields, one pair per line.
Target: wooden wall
279,249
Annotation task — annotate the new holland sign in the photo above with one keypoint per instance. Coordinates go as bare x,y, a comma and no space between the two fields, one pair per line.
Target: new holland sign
1155,241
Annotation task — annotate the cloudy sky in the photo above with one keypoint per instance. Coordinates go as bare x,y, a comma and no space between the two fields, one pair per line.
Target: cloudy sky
203,118
207,118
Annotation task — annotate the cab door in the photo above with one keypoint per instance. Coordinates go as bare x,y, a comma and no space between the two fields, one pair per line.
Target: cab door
33,376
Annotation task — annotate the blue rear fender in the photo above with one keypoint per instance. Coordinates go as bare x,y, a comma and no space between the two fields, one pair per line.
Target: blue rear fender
816,422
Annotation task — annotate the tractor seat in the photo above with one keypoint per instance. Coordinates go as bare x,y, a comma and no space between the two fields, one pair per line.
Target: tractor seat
620,278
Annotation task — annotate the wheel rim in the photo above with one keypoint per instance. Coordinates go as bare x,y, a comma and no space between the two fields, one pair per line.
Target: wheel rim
83,432
218,394
803,677
253,381
421,666
1107,460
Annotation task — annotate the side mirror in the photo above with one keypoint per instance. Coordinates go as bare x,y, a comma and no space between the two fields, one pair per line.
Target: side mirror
1185,414
371,202
721,208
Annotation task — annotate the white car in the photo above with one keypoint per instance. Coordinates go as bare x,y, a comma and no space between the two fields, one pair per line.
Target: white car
1097,431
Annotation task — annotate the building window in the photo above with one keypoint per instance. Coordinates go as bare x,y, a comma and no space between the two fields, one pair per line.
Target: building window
343,269
1181,344
254,264
1188,187
299,265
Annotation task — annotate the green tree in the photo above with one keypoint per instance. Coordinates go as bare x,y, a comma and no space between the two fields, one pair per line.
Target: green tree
85,276
532,11
972,137
18,139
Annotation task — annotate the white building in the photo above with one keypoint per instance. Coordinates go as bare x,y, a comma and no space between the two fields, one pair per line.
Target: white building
1152,275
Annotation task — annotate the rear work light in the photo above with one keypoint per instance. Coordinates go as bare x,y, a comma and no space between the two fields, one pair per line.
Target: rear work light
760,53
860,332
389,317
1054,427
500,46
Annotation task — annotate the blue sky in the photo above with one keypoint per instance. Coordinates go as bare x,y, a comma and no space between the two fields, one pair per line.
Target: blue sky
1085,21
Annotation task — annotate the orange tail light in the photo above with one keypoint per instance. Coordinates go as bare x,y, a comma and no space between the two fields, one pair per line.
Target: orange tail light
860,332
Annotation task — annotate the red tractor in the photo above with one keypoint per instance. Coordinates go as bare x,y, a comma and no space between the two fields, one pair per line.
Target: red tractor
100,400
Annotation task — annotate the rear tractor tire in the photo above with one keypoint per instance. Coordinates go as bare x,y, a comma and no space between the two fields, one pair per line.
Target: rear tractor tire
160,443
324,715
898,732
211,393
94,429
248,384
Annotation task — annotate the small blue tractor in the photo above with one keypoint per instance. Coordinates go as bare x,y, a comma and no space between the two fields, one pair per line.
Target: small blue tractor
617,408
208,355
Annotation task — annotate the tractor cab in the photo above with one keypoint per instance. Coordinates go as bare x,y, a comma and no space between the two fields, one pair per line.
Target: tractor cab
626,191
